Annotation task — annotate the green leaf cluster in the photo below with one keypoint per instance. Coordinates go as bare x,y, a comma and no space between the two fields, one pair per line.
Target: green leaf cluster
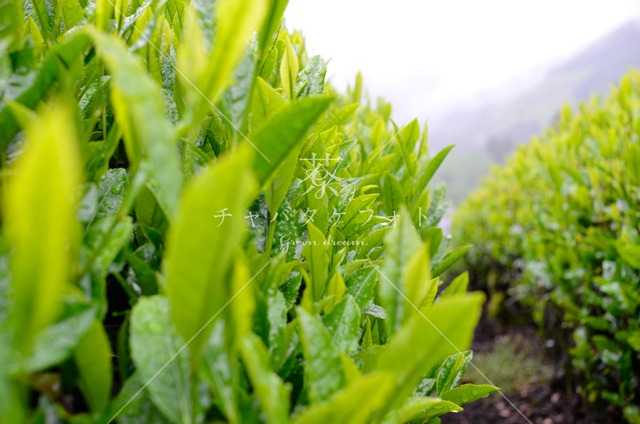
196,228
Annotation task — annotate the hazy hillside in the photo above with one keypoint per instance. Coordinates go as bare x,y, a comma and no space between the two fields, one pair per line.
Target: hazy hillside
486,134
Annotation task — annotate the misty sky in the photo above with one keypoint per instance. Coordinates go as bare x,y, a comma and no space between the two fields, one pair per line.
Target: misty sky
427,56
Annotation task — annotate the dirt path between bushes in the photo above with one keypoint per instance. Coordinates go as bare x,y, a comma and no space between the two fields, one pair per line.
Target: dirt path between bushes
515,358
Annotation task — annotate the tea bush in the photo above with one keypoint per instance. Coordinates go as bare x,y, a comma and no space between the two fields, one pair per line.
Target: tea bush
563,213
197,228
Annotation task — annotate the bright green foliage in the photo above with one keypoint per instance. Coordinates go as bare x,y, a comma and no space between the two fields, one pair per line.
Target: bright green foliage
196,228
155,345
212,247
563,217
39,222
92,356
139,111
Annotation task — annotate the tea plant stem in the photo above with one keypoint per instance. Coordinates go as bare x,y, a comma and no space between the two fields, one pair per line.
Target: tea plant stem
270,236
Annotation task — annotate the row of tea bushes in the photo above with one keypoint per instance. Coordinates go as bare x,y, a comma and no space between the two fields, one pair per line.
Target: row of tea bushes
563,216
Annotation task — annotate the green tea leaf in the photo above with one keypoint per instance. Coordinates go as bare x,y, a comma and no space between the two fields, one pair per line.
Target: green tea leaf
451,371
392,194
282,132
323,370
242,304
40,223
111,193
45,16
318,258
269,388
140,113
10,18
72,14
289,70
457,286
417,284
235,100
401,243
277,309
236,20
428,339
132,406
407,138
468,393
361,285
92,356
160,357
449,259
67,51
219,372
105,239
208,228
437,208
358,215
192,52
266,101
101,152
311,78
420,409
57,342
151,217
270,27
432,166
344,324
281,181
10,402
356,404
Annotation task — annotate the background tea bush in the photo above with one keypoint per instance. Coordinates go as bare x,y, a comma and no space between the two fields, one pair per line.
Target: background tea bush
197,229
561,219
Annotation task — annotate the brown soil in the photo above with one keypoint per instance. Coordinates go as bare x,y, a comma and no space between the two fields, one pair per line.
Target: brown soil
537,402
